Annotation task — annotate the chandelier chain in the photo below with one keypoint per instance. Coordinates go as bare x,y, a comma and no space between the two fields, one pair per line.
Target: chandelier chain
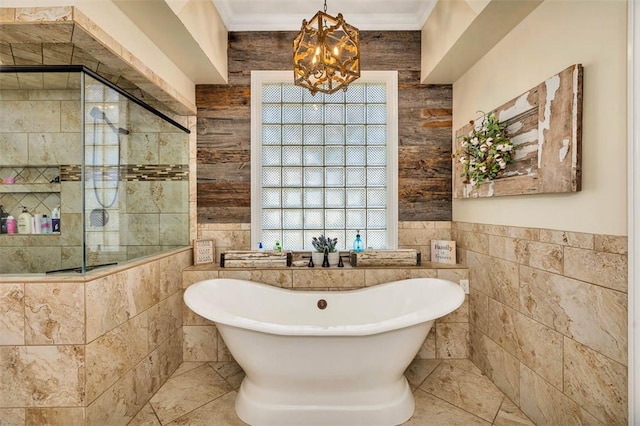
325,6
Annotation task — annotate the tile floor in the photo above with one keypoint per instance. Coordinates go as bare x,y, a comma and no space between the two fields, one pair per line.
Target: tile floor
447,392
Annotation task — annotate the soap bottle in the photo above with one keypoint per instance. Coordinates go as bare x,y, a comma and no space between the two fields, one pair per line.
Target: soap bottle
358,245
278,247
55,220
25,220
11,225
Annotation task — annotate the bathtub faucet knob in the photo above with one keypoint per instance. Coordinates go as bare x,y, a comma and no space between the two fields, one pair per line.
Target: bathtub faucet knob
325,261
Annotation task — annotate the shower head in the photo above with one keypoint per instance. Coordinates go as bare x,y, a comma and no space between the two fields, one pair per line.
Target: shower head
100,115
97,114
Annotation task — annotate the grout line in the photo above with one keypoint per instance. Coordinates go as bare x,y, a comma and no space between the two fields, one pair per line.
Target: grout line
195,409
455,406
153,410
429,375
495,417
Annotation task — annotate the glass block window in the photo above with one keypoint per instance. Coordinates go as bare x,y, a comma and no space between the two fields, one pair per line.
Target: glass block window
324,164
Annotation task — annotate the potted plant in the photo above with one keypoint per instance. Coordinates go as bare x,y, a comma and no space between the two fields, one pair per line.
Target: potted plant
319,243
485,151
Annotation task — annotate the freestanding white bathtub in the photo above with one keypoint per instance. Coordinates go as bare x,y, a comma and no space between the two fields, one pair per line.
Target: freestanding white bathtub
330,358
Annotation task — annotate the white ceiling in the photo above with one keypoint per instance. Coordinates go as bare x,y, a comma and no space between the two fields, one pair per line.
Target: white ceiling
287,15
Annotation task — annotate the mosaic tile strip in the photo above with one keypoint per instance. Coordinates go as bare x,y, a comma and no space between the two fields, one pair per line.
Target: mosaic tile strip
70,172
157,172
131,172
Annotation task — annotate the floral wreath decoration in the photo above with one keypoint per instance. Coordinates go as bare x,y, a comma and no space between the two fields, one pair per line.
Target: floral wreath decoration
485,151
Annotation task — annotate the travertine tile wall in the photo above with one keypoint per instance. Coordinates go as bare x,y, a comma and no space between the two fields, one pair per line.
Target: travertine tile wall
65,35
40,128
449,338
76,351
416,235
548,317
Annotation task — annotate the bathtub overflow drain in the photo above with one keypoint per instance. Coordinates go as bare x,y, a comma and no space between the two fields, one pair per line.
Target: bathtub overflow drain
322,304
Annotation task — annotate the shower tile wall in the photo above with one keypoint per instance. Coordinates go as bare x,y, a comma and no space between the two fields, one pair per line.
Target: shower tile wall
449,338
92,351
548,317
152,209
40,139
40,130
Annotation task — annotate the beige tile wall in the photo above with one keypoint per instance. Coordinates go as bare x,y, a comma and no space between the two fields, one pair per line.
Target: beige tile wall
89,351
449,338
415,235
548,319
41,127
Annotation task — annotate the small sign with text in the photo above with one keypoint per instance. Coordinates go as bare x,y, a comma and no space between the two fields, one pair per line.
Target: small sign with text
443,251
203,252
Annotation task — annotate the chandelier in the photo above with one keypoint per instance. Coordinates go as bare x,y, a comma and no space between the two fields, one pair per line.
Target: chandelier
326,53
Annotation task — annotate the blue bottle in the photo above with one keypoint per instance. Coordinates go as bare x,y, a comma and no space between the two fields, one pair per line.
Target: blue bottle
358,245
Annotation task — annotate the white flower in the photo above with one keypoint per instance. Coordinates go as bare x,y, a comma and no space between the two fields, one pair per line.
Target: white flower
502,164
483,148
463,160
483,169
489,141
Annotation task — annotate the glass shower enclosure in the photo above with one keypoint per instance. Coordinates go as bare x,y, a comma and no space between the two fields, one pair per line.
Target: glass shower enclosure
89,175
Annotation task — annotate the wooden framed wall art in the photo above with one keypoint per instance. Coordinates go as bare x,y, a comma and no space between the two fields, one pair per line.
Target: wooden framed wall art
545,127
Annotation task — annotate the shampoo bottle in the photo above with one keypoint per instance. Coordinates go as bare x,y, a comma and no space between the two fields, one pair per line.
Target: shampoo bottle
45,224
11,225
55,220
25,220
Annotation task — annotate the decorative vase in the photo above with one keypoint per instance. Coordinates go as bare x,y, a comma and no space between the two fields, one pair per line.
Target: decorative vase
334,258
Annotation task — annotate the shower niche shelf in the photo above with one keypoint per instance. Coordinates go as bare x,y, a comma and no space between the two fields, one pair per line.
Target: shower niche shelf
29,188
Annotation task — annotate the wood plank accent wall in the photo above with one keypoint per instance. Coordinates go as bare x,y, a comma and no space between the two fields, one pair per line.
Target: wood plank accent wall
224,126
545,127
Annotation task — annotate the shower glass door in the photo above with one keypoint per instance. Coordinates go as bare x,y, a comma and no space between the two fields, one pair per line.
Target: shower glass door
136,179
112,170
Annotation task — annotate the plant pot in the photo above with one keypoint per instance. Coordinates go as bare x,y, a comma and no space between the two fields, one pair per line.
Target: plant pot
317,258
334,258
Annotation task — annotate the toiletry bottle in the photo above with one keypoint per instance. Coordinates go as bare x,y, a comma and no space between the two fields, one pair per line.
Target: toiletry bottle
37,223
25,220
55,220
358,245
11,225
260,246
3,220
45,224
278,247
